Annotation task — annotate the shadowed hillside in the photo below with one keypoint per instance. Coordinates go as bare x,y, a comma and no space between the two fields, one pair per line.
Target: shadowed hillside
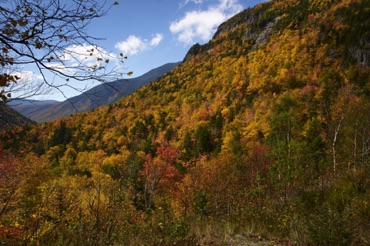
9,118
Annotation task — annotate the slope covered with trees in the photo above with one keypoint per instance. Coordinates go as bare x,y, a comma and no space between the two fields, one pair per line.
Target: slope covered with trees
264,130
9,118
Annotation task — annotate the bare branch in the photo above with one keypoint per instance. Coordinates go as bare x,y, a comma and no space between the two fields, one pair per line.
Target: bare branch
52,37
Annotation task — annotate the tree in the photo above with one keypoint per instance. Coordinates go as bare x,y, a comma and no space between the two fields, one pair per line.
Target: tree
11,175
51,36
160,173
20,177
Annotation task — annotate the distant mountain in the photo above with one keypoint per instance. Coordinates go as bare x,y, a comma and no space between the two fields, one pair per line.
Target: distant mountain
32,108
18,102
104,94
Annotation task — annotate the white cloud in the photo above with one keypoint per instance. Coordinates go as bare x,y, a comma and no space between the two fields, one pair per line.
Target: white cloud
86,54
62,68
27,77
78,60
30,84
197,24
203,24
134,45
193,1
190,1
131,46
156,39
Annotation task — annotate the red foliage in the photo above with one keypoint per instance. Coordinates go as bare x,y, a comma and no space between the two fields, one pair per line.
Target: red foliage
259,156
167,153
160,172
11,176
204,114
259,162
10,173
308,89
10,233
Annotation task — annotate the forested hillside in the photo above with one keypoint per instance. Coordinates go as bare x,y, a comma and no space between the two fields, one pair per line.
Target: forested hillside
9,118
265,130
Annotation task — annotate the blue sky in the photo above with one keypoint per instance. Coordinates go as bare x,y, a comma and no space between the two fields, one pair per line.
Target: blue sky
154,32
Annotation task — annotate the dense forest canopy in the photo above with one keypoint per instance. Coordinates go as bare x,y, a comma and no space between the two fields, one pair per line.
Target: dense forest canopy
264,130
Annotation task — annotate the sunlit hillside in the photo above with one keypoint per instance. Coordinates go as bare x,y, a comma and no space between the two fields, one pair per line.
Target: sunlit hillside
262,134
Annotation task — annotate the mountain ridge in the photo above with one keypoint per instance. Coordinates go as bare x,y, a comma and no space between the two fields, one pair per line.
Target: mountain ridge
97,96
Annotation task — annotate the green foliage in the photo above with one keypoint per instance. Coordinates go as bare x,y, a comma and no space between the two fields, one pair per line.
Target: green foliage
270,139
203,139
200,202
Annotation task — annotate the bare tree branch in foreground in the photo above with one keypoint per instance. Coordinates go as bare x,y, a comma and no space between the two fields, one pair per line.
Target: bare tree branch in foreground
51,37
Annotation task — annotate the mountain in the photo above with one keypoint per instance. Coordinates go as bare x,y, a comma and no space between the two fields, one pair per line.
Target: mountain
263,133
17,102
30,108
104,94
9,118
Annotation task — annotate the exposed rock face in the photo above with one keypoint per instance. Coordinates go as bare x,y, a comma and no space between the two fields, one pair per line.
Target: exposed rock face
263,36
248,16
362,52
193,51
245,16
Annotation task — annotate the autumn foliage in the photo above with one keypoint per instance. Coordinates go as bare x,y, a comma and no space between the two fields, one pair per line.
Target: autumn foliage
248,135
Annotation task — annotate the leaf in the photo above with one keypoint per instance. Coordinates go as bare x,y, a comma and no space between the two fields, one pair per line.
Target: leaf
130,73
38,45
23,22
25,34
14,22
11,60
116,3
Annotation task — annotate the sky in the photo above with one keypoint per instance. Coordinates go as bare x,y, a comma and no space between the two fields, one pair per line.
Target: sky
152,33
